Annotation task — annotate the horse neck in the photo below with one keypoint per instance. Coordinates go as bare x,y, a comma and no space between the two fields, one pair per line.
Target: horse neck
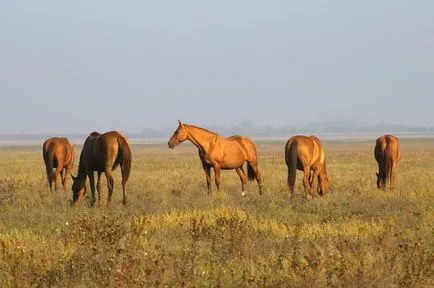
81,174
323,172
200,137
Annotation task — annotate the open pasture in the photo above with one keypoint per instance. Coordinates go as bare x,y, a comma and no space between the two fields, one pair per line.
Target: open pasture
171,233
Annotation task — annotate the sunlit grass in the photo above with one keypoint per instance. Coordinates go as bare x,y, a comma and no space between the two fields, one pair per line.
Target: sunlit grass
172,233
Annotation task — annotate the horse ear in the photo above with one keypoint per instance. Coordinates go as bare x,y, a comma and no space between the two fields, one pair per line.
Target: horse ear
180,123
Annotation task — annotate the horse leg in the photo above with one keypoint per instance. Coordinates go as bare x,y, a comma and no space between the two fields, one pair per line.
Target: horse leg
62,177
67,172
217,177
98,186
110,185
243,179
50,181
92,187
313,180
253,173
383,177
392,177
56,175
306,183
207,170
258,177
380,176
124,195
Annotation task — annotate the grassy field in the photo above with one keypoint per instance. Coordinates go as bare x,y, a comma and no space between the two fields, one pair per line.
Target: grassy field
172,233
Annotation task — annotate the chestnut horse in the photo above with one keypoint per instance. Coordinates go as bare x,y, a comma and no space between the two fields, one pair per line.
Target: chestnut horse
387,154
58,153
102,153
306,153
220,153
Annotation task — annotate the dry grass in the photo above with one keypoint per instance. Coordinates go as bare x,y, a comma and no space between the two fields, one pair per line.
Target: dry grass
173,234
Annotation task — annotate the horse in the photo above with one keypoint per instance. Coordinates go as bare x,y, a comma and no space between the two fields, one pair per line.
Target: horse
220,153
306,153
102,153
58,153
387,154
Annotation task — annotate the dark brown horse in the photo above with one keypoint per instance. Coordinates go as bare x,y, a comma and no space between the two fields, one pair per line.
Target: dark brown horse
306,153
220,153
59,154
387,154
102,153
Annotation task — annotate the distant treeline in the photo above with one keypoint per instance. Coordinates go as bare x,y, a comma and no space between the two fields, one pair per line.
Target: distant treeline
248,128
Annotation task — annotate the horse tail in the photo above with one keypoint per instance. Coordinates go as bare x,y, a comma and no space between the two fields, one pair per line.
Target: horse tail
49,163
291,162
250,172
252,159
124,156
387,165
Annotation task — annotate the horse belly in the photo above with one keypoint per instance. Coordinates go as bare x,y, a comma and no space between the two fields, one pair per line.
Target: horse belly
231,165
96,164
232,160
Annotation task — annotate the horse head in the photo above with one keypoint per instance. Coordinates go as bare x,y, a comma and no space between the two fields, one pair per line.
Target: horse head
323,187
78,188
179,136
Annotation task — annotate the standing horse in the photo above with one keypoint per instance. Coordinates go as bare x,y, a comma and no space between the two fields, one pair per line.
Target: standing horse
102,153
220,153
58,153
305,153
387,154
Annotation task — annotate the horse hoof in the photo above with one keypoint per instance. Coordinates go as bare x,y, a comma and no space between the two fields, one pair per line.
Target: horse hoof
243,193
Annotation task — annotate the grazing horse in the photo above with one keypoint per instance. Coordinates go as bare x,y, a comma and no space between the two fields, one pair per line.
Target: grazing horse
387,154
305,153
220,153
58,153
102,153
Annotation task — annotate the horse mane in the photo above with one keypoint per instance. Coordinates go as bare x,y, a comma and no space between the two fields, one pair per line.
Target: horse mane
94,134
202,129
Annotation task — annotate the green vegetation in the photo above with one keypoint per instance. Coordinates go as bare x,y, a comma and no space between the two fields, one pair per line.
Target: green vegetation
172,233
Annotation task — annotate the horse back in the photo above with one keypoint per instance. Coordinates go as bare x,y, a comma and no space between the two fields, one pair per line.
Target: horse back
387,146
309,149
244,144
69,151
61,150
318,150
101,151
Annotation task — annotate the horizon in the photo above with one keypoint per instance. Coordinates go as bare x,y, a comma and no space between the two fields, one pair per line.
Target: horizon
251,128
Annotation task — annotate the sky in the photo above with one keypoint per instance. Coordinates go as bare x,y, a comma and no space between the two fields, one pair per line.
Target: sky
80,66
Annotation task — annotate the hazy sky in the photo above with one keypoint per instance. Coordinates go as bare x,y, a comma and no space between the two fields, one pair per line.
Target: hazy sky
80,66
